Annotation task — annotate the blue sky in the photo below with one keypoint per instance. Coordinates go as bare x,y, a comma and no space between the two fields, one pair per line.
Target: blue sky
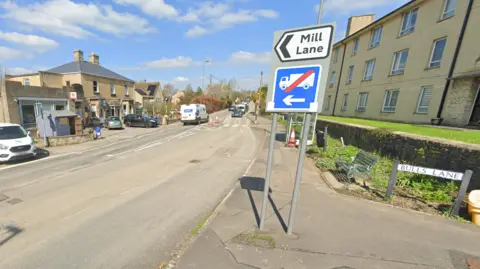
163,40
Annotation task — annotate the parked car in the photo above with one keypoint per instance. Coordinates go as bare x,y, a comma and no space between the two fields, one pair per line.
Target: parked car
128,118
15,143
113,123
237,113
231,108
194,113
139,120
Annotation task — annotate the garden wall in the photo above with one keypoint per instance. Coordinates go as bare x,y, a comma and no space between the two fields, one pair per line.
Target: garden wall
413,149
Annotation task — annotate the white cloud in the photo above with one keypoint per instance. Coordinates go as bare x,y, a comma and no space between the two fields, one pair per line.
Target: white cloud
212,17
189,17
18,71
348,6
178,62
67,18
155,8
243,57
35,42
180,79
9,53
196,31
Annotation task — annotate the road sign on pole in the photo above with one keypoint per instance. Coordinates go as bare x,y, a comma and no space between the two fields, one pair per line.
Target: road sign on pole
312,43
298,78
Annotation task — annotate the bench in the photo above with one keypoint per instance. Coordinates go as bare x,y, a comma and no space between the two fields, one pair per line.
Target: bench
362,163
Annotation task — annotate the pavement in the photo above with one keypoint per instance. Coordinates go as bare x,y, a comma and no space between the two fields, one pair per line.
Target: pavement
125,201
330,230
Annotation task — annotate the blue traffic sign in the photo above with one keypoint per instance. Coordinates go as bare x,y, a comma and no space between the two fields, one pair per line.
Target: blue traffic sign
296,89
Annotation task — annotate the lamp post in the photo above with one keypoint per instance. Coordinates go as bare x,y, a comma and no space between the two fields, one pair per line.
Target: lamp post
203,75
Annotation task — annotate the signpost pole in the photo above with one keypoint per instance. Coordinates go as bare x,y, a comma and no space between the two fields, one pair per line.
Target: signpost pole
461,192
298,176
325,135
393,179
266,187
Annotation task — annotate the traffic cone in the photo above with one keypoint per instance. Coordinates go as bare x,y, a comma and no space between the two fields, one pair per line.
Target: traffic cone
211,123
217,121
292,141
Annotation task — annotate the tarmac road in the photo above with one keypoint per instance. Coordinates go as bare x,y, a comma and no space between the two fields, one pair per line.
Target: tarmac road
120,204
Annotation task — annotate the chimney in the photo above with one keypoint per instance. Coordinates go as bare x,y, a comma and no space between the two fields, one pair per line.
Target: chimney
356,23
94,59
78,56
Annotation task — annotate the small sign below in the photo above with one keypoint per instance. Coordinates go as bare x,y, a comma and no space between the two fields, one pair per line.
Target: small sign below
430,172
305,44
295,89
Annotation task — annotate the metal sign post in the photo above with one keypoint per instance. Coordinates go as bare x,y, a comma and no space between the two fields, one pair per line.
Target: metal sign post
298,80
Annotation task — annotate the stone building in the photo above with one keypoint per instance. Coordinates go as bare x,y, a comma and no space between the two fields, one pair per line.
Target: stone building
98,91
417,63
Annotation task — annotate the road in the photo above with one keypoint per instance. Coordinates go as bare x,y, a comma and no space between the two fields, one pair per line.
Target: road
121,204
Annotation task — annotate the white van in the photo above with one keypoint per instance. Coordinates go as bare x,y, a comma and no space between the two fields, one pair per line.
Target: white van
194,113
242,108
15,143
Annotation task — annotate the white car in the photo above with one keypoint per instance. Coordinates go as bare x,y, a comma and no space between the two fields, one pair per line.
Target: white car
194,113
15,143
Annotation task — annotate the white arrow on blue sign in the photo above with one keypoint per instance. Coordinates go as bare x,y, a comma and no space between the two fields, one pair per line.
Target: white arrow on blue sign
296,89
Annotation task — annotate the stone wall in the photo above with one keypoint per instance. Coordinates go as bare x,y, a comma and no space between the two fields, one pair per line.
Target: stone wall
459,102
412,149
55,141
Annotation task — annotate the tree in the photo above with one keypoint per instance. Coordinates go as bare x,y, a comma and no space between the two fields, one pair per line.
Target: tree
153,108
199,91
189,88
169,89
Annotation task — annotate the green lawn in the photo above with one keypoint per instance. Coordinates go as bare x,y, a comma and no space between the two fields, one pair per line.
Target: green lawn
468,136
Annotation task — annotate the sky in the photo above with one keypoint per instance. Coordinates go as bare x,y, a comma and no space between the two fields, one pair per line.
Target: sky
164,40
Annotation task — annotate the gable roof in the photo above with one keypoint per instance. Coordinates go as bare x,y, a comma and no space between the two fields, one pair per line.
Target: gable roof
140,91
87,68
148,88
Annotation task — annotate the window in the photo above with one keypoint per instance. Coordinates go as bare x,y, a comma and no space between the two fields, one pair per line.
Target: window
437,52
390,101
95,86
376,37
327,107
112,88
68,83
332,79
362,101
399,61
93,110
424,99
126,90
26,81
59,107
369,69
335,55
408,22
449,9
355,46
345,102
350,74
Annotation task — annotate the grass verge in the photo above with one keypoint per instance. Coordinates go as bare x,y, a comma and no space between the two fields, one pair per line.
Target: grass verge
463,135
413,191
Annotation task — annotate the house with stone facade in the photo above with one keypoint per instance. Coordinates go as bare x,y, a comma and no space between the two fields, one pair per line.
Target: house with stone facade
420,62
94,90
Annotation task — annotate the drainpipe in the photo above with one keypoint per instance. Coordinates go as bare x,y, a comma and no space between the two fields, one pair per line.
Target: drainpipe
339,78
454,60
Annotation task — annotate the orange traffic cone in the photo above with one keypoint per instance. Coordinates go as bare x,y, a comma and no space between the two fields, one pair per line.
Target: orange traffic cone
292,141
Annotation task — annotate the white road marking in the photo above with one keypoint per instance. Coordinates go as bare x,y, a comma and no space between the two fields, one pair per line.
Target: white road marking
227,125
235,125
39,160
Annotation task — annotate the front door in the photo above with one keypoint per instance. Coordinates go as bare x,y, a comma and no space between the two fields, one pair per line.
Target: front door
476,109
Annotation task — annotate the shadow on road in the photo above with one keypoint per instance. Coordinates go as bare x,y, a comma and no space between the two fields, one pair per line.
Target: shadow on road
7,232
41,153
257,184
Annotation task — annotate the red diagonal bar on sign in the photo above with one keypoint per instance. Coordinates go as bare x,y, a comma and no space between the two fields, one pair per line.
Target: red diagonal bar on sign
299,80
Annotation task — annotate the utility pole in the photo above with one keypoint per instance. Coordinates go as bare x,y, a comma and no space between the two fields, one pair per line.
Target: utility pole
258,99
203,74
211,77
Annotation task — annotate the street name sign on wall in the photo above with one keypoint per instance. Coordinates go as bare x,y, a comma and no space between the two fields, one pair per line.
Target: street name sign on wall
299,69
312,43
430,172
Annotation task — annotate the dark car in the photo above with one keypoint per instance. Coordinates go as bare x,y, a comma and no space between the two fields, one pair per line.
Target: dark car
237,113
139,121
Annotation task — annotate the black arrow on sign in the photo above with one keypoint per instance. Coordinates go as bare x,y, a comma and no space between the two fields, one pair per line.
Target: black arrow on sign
283,47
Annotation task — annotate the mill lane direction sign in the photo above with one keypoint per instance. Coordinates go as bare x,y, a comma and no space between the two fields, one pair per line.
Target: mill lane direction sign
305,44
